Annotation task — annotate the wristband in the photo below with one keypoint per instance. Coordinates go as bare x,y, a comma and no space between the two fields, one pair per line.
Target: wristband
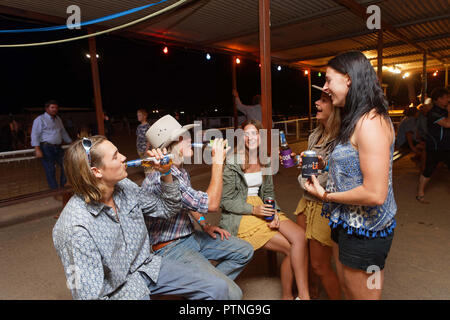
325,196
326,168
200,219
166,173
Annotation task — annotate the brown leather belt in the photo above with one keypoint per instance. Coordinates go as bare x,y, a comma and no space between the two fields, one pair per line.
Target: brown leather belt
161,245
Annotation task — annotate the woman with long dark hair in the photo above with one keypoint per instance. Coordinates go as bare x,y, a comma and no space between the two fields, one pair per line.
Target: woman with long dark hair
359,199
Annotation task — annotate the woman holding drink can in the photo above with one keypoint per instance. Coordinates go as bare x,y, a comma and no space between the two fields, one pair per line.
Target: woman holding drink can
359,199
245,215
309,209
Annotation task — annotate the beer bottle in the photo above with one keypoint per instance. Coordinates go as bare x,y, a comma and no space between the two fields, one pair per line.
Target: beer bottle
207,144
285,152
150,161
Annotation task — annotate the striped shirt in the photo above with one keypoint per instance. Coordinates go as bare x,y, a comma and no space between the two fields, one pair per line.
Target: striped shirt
180,225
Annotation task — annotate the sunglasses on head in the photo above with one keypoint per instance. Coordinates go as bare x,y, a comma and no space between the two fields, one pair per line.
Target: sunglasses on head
87,145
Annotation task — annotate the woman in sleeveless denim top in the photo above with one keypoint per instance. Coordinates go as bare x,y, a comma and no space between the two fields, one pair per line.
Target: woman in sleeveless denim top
359,199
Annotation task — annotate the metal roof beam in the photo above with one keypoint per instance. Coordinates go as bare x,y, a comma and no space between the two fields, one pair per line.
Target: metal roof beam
311,17
365,32
360,11
374,47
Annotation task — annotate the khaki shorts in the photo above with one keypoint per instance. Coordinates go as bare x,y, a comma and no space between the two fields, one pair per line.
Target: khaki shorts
317,227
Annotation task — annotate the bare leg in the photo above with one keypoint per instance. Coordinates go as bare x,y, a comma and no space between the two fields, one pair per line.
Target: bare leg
358,287
421,188
296,236
313,279
339,269
321,265
279,243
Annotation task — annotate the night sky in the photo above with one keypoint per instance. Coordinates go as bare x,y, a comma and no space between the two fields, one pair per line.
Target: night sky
136,74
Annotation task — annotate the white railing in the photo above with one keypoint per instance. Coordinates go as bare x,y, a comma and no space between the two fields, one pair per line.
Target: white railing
285,123
12,154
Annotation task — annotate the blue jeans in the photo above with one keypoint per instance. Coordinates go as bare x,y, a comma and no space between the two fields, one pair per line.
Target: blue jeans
53,155
176,278
195,250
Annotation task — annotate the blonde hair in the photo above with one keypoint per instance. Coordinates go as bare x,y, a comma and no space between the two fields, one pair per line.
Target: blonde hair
330,131
84,133
78,171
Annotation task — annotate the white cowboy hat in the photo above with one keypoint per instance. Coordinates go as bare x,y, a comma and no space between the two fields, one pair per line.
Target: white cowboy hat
165,131
321,89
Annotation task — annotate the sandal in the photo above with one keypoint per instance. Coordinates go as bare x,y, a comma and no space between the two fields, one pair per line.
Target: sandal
421,199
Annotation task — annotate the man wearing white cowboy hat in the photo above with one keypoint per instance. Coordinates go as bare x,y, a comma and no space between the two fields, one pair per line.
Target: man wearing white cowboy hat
176,238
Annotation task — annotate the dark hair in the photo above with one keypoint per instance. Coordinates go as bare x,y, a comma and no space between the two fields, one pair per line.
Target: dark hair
48,103
438,92
364,94
410,112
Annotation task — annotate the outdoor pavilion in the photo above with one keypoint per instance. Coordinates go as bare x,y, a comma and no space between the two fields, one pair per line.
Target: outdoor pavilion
413,35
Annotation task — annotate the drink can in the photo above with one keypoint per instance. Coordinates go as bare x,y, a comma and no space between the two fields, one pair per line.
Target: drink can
286,158
271,201
310,164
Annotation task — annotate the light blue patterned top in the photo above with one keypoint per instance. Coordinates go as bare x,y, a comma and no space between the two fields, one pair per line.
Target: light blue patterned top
345,174
103,254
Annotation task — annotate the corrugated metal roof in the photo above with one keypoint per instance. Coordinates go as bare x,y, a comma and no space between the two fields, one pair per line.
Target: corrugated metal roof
303,33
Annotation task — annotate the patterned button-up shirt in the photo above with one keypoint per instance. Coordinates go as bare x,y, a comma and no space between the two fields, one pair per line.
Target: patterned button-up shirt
162,230
103,253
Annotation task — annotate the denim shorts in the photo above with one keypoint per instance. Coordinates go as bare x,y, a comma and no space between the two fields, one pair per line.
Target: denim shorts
360,252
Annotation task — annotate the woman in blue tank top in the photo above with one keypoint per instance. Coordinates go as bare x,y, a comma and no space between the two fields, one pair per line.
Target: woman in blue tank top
358,199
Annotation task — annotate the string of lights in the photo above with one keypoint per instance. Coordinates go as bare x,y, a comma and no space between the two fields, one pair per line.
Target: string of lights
126,25
86,23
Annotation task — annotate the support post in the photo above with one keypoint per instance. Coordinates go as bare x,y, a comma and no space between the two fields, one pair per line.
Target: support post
380,56
96,82
424,79
234,87
265,57
309,101
446,75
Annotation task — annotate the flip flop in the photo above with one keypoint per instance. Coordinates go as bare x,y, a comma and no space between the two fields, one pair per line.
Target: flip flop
421,199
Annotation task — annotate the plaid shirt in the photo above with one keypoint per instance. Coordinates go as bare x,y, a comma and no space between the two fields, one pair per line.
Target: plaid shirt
180,225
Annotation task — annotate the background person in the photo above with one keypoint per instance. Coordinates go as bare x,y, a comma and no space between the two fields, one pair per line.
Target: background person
47,135
422,130
142,145
407,134
252,112
438,138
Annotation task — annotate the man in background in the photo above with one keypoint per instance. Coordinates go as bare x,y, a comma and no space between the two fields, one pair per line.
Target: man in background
47,135
252,112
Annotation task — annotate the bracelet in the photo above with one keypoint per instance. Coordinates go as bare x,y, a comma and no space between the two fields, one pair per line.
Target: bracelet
325,196
200,219
166,173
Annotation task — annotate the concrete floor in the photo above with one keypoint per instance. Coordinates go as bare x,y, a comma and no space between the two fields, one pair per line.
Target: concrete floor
417,266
